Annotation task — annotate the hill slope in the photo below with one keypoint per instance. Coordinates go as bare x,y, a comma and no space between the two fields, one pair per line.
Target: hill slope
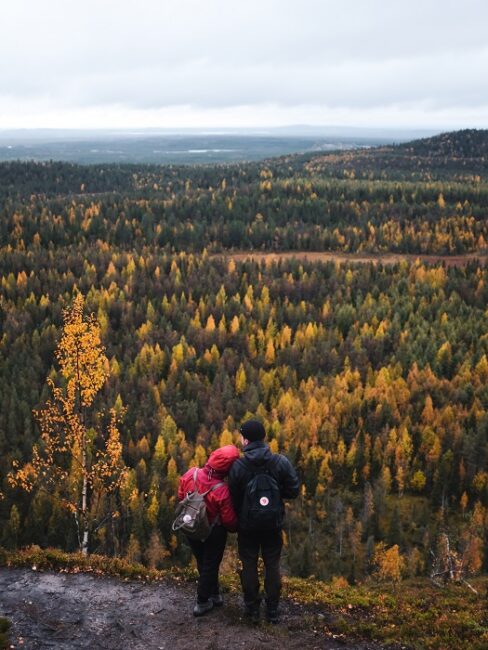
467,143
456,155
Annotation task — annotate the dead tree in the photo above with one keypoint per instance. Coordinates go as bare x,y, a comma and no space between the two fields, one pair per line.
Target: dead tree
448,565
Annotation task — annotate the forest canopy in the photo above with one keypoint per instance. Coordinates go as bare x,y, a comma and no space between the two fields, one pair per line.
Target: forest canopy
426,197
373,379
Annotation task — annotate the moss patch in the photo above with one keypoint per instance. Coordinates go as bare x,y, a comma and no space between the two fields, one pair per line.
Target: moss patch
4,629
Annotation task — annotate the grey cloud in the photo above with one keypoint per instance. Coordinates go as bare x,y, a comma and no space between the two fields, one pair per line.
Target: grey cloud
151,54
445,80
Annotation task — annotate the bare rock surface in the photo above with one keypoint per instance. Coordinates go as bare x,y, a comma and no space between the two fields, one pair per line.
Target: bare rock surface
82,610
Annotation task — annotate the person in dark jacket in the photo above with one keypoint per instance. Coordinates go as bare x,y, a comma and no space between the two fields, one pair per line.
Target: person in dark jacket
258,458
222,518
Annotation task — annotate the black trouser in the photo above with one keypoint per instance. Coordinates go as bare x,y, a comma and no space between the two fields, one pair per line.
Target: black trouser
208,555
270,543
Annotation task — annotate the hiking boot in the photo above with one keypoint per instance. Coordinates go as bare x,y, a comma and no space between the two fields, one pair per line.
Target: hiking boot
202,608
273,616
217,600
252,613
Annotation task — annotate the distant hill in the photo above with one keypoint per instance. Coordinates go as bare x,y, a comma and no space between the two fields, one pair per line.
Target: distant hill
457,155
468,143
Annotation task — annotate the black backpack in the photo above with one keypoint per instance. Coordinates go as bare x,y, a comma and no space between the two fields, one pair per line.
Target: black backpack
262,506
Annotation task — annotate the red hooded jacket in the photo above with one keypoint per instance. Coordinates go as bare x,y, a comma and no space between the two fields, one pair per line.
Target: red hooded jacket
218,501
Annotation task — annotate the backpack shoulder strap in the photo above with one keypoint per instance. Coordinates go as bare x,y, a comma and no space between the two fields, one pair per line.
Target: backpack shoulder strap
214,487
204,494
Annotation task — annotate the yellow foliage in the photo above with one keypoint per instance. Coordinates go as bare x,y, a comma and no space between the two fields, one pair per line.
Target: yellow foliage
418,480
226,438
389,562
65,440
270,352
241,380
234,325
80,352
210,326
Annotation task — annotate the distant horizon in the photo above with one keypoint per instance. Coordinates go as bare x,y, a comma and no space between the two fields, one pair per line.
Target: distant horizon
290,130
190,145
193,145
254,128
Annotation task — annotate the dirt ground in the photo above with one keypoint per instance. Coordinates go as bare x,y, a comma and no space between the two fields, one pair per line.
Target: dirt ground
69,611
358,258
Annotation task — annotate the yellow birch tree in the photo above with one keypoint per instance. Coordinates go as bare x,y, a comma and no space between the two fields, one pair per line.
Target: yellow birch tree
73,460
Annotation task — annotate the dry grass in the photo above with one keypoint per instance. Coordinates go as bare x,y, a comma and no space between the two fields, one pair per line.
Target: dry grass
357,258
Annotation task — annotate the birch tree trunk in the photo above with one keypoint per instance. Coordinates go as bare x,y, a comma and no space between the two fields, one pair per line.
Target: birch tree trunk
84,497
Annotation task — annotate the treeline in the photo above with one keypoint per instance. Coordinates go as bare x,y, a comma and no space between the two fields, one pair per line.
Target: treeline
372,379
240,207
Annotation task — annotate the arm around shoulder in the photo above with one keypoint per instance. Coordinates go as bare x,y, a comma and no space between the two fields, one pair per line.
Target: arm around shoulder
227,513
234,483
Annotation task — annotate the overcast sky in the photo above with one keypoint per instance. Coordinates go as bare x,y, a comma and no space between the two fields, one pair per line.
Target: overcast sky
211,63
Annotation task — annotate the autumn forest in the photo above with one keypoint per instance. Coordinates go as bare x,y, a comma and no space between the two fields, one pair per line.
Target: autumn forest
372,378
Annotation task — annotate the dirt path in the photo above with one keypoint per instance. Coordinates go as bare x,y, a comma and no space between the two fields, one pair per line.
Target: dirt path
70,611
385,258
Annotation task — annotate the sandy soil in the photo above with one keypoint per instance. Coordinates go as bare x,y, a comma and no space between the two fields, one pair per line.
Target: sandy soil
69,611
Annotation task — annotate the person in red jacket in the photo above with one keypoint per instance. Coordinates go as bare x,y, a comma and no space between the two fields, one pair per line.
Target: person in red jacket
222,518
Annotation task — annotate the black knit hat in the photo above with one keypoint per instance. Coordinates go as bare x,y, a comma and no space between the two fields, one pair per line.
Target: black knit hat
253,430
